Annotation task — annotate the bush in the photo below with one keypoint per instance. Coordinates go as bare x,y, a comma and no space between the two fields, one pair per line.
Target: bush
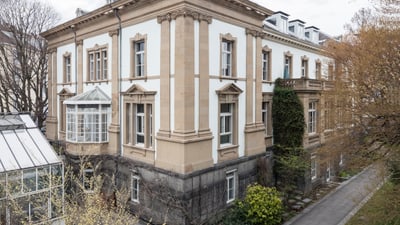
261,206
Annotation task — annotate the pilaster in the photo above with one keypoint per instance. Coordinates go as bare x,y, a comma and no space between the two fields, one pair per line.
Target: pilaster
114,128
79,49
51,121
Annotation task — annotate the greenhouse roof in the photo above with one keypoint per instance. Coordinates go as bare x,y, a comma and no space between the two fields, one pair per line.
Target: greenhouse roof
22,144
95,96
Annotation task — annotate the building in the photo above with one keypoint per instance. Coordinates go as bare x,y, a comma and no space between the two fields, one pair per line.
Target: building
31,174
174,97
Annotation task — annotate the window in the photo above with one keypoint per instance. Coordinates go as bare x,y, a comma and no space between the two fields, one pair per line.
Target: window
87,178
88,123
138,56
230,187
138,118
98,63
287,69
264,115
328,115
313,168
135,188
29,178
328,172
312,117
228,56
266,66
341,159
304,67
139,126
226,124
318,69
139,62
67,68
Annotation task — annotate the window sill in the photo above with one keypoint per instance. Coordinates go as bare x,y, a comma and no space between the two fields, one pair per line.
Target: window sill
133,78
96,82
227,149
234,78
138,149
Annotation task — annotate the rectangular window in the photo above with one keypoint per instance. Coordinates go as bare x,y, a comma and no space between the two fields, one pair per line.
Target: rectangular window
139,59
88,182
312,117
226,124
264,114
135,188
304,68
313,168
287,70
265,66
139,124
91,67
98,65
227,58
105,66
67,64
230,187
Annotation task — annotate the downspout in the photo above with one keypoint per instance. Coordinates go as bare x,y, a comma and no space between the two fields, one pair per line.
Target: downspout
119,78
76,61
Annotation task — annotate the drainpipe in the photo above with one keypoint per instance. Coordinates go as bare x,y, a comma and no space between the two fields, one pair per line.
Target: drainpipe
116,12
76,60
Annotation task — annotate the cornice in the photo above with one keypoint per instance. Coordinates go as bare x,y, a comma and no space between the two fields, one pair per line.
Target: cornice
79,42
51,50
184,13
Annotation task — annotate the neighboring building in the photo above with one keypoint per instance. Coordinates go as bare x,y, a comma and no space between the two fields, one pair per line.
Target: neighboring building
174,98
31,174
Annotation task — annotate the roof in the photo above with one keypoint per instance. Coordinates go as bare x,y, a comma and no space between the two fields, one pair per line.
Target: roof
22,144
95,96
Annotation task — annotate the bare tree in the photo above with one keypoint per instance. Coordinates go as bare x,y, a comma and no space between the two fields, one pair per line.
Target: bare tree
23,56
368,81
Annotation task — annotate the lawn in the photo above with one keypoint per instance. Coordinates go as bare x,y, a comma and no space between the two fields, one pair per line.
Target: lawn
382,209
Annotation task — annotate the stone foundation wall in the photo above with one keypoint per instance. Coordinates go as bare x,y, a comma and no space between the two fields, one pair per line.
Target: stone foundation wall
164,196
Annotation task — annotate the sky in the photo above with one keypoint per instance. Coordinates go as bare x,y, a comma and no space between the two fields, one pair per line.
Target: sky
329,16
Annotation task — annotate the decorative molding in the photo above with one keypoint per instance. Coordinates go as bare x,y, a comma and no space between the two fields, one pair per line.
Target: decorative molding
51,50
185,13
113,32
255,33
79,42
266,48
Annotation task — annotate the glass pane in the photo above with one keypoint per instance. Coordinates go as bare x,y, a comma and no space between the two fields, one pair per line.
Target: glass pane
225,139
227,124
29,180
39,206
14,181
139,139
43,178
56,202
2,186
19,212
225,108
87,179
56,175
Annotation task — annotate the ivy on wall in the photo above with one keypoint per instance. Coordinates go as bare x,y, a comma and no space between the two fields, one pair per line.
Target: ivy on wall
288,129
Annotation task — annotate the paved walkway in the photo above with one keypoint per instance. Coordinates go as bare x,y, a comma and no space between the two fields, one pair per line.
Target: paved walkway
337,207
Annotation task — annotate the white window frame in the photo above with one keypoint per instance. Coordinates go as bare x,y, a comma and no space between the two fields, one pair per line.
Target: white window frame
226,51
67,61
230,186
88,124
135,189
264,115
98,65
223,126
328,172
287,67
313,167
312,117
304,68
139,58
140,124
91,66
341,159
265,65
104,58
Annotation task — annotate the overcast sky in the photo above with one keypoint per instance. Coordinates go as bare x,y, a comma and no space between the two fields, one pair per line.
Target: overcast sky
328,15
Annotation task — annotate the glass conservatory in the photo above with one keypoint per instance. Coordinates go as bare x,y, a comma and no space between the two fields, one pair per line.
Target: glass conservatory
88,117
31,174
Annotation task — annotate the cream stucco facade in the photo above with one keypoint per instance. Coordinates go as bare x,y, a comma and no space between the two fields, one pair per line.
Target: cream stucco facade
186,83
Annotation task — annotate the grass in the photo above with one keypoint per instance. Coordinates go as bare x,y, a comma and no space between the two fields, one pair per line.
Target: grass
382,209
